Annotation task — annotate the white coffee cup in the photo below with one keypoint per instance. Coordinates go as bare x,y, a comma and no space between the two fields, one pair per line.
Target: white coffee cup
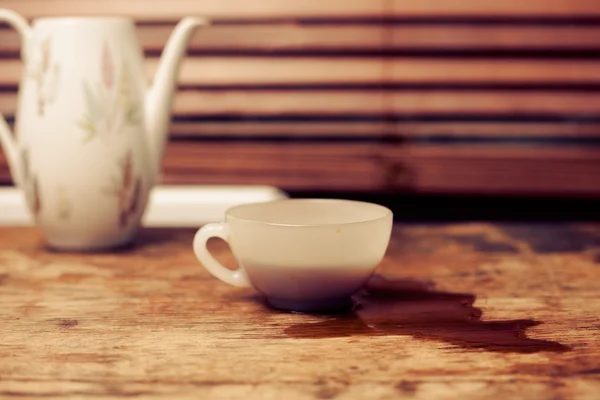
302,254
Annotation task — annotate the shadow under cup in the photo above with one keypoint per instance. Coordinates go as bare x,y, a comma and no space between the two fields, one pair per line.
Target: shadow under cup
302,254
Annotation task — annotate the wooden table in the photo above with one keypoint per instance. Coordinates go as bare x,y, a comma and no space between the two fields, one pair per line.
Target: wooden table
150,322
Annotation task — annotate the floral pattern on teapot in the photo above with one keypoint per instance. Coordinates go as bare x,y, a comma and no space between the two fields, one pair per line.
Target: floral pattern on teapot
110,104
30,184
33,195
46,75
127,190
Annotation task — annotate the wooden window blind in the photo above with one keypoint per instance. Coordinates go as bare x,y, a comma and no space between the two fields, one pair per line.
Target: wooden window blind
439,96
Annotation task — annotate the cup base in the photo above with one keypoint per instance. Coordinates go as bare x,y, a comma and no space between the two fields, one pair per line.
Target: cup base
320,305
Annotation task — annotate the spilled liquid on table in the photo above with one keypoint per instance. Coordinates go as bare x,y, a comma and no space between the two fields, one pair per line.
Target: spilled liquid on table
405,307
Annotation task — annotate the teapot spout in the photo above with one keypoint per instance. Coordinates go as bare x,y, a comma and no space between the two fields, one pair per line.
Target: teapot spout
159,98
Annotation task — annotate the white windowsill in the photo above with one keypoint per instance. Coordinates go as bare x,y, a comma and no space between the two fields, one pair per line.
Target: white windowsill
168,206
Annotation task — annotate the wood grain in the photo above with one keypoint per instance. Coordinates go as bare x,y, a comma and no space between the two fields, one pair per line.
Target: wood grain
150,322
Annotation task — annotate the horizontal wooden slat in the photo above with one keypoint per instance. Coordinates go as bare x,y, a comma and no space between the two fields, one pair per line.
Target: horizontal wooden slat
273,103
266,37
422,168
507,130
250,71
384,131
373,102
250,130
161,10
531,170
310,38
507,7
377,37
174,9
256,130
223,71
528,170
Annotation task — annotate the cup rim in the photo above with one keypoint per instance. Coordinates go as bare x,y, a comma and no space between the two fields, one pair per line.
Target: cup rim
229,213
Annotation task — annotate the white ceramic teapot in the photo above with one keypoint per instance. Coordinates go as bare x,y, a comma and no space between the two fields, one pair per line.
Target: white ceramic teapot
89,130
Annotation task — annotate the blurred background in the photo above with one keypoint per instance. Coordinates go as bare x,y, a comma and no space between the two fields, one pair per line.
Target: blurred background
436,108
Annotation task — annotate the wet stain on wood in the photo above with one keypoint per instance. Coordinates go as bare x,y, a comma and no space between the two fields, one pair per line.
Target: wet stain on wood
327,392
85,358
552,238
66,323
482,244
400,307
427,244
406,387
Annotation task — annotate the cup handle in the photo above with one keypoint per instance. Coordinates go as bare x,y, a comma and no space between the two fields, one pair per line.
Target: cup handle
221,230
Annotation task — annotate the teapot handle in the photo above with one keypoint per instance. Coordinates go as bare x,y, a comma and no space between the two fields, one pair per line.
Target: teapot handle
6,138
20,24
